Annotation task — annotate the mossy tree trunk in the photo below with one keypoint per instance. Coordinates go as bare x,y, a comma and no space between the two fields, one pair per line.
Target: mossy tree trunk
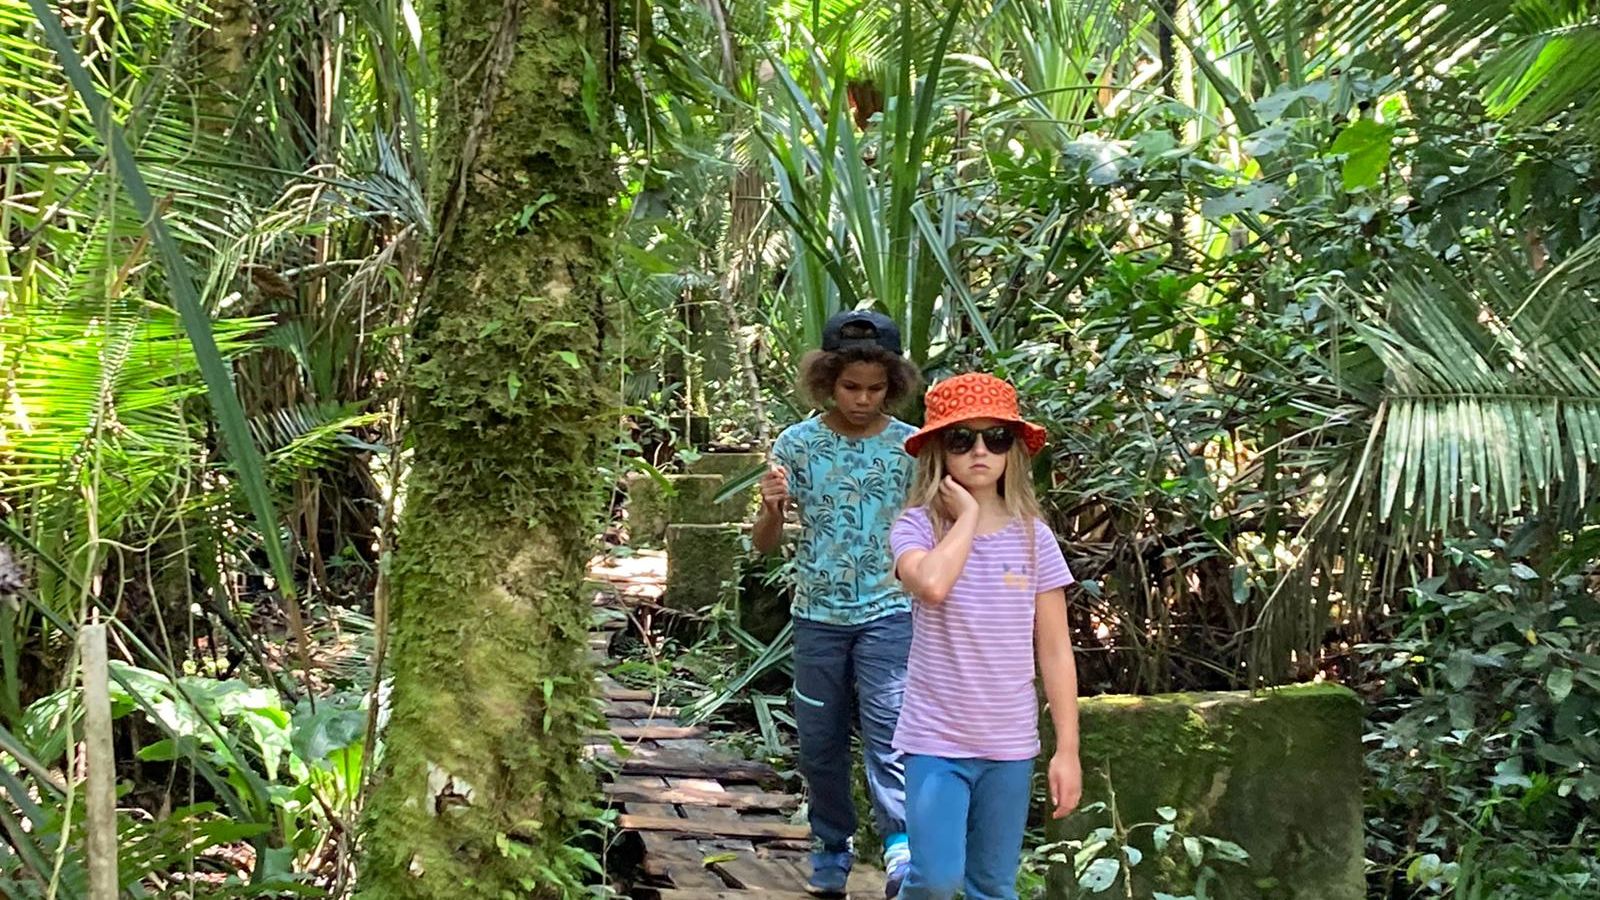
482,784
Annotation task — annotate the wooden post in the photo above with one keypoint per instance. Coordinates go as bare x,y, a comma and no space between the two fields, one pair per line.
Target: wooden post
100,764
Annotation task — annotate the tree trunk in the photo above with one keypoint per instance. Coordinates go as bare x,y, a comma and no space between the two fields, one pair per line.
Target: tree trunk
481,783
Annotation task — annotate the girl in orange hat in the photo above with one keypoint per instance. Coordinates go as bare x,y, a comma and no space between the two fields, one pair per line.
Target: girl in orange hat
987,578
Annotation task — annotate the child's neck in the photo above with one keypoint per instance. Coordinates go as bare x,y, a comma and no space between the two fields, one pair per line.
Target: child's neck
840,424
992,512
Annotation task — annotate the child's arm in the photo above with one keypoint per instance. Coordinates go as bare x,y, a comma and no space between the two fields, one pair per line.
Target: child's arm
930,574
1060,672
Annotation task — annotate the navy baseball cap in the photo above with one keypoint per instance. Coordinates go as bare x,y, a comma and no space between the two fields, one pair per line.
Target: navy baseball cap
859,329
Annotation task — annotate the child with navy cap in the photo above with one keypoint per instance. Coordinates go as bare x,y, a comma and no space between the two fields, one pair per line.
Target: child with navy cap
847,476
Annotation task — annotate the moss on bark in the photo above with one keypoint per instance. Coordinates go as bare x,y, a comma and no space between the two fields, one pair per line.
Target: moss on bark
481,785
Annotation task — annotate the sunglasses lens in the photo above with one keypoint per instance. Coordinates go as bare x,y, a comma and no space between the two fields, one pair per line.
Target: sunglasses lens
960,440
999,439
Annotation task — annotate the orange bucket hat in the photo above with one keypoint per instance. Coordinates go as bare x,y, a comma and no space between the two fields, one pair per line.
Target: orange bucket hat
974,395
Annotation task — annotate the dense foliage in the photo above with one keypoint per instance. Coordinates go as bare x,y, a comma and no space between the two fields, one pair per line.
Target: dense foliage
1306,295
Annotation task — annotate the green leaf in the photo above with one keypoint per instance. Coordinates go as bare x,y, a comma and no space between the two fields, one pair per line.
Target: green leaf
570,358
1167,814
738,484
1256,197
1161,836
513,384
1228,850
590,91
1459,670
1278,102
316,736
1366,147
1268,140
1509,773
1559,684
1463,712
1562,755
1195,850
1134,854
1100,876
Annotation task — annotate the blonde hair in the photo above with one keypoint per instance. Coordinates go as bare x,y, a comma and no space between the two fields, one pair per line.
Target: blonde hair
1016,489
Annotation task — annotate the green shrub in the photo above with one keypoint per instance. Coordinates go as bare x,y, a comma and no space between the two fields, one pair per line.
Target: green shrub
1485,734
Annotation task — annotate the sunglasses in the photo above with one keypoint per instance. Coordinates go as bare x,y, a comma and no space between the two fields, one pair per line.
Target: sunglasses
997,440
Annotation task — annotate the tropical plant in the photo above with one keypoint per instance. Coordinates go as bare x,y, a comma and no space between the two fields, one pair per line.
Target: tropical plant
159,202
865,226
1483,768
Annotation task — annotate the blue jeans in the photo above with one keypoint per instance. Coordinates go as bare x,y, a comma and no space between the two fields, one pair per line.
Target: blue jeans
967,818
842,672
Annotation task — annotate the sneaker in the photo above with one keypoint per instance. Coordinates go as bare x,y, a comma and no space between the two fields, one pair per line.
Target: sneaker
830,873
896,863
894,877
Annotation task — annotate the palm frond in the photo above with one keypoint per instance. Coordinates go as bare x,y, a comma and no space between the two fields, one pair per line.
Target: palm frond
1493,391
851,201
76,375
1473,395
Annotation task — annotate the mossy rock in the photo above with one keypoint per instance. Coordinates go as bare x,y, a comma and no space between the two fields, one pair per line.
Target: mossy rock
728,465
684,499
765,598
648,513
1278,773
703,564
695,503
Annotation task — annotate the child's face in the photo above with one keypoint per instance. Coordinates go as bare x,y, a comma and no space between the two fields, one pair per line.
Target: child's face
859,392
979,467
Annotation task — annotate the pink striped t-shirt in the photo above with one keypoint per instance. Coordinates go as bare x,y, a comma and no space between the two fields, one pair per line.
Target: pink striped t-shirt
970,680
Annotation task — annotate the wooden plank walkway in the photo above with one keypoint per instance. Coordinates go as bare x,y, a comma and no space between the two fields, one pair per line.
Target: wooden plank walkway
713,827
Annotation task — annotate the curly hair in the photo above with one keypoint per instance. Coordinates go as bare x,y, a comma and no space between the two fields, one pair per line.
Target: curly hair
819,369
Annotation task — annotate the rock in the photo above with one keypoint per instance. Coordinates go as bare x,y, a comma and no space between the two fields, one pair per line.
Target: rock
703,564
647,510
686,499
1278,773
728,465
695,502
764,595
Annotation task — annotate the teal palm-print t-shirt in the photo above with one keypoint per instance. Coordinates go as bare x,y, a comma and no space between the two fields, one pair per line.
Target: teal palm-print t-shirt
848,491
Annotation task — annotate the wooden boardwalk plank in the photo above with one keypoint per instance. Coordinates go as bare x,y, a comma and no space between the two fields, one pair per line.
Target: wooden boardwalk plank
855,893
708,821
680,864
626,733
638,709
702,811
713,827
650,761
753,800
759,875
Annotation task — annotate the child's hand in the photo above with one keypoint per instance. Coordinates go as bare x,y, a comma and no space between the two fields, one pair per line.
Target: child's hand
957,499
1066,783
775,489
